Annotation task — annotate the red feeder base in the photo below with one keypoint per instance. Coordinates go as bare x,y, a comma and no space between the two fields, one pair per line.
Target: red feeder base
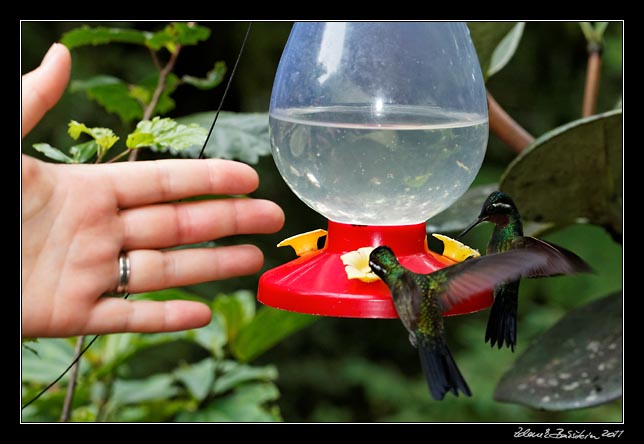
316,282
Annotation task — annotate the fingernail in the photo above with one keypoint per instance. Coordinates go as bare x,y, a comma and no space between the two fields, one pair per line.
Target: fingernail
53,49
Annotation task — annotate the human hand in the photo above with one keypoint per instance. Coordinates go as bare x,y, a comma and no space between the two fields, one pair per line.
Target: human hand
76,219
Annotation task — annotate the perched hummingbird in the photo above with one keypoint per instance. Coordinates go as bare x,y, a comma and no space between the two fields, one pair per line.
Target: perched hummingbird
421,299
499,209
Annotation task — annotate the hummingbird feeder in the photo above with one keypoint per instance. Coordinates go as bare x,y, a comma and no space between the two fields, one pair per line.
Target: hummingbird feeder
378,127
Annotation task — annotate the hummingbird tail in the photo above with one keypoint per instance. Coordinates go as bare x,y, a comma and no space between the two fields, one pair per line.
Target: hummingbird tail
502,322
441,371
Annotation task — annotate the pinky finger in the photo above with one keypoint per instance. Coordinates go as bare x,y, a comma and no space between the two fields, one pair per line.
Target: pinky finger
112,315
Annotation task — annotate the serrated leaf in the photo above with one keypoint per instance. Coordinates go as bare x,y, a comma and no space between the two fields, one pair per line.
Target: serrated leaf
111,93
571,174
104,137
234,374
267,329
84,151
240,136
506,49
162,134
212,79
198,378
178,34
133,391
486,37
236,310
52,153
101,35
244,405
575,364
149,84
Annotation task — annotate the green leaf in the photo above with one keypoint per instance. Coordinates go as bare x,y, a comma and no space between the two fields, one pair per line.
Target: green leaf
462,212
178,34
241,136
52,153
244,405
487,36
133,391
576,364
84,151
268,328
236,310
506,49
234,374
213,336
104,137
162,134
212,79
53,356
102,35
198,378
149,84
111,93
172,294
572,174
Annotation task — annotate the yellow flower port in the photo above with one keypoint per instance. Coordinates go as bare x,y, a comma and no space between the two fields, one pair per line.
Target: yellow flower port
455,250
356,265
304,242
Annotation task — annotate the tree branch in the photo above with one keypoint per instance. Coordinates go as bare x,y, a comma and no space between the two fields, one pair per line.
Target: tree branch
163,75
506,128
71,387
591,89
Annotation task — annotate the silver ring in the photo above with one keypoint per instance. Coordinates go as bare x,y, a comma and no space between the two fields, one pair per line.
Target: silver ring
124,273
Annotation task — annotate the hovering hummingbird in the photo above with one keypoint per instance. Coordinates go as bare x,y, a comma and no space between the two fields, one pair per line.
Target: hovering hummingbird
500,209
421,299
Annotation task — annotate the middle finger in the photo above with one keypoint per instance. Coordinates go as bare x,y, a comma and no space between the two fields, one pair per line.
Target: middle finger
168,225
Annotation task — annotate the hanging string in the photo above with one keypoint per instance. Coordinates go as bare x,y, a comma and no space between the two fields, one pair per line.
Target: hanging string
221,103
230,79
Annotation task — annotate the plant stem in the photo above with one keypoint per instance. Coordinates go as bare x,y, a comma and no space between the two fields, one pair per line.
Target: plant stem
71,387
591,89
506,128
163,75
118,156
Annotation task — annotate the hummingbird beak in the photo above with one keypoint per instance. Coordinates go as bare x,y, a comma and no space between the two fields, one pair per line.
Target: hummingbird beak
472,225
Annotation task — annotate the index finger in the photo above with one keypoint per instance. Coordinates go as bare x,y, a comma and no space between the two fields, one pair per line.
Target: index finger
147,182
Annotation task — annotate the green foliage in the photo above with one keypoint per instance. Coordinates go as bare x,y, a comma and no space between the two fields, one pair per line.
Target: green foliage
495,43
201,380
240,136
213,77
572,173
575,364
163,134
113,94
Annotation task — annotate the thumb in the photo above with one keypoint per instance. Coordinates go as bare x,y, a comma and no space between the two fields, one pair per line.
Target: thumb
42,87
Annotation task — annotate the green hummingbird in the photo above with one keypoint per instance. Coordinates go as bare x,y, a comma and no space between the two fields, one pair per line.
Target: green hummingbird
421,299
507,234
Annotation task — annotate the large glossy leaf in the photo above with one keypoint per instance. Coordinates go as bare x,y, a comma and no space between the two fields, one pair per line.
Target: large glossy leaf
575,364
267,328
240,136
572,174
495,43
52,153
462,212
246,404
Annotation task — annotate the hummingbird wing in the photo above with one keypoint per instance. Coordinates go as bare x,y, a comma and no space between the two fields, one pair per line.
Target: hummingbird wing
574,263
468,278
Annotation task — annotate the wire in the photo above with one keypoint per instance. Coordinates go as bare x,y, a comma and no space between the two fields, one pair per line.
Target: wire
230,79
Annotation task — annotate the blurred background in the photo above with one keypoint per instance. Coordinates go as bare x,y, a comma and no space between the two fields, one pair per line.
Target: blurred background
365,370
